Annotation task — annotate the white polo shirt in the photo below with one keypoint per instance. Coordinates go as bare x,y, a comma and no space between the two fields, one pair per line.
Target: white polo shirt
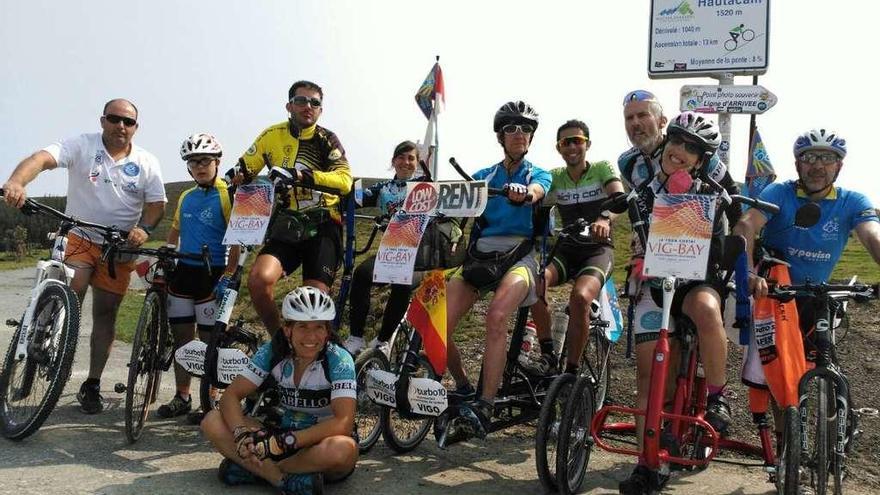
101,190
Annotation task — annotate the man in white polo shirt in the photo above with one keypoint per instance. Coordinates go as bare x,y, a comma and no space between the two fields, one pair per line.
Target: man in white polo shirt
110,182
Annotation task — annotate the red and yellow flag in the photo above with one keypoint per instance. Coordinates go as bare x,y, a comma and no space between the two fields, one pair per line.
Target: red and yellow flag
427,314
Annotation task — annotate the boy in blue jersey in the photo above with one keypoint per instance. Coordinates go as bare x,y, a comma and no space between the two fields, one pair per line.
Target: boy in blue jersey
813,251
505,229
200,219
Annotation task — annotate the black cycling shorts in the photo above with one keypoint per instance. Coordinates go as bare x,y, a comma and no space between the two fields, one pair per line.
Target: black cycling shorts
573,260
319,256
193,281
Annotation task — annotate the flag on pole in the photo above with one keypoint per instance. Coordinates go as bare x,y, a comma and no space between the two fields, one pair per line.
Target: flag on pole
427,314
431,98
431,95
759,172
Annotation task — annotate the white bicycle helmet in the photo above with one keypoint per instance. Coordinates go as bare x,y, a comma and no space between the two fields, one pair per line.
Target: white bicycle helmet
697,128
308,304
819,139
200,144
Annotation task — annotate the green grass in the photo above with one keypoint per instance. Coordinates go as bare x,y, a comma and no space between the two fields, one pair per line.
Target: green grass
856,260
8,261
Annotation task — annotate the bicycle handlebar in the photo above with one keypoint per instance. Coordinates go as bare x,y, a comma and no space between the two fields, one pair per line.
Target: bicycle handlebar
737,198
494,191
858,292
31,207
282,177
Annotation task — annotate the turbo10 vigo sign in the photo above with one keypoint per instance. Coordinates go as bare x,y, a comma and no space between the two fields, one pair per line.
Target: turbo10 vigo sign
689,38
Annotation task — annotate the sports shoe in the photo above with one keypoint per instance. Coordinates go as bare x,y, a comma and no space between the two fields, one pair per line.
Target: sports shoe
176,407
718,413
543,366
477,416
302,484
383,346
354,345
89,397
642,481
461,393
195,417
231,474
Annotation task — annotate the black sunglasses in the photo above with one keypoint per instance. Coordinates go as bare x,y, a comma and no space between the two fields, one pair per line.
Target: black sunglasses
689,146
303,100
115,119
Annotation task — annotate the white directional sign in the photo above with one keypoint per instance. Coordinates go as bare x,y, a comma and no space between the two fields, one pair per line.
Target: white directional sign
726,99
691,38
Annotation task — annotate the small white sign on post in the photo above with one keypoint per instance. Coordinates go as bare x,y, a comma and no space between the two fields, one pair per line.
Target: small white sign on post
726,99
690,38
680,236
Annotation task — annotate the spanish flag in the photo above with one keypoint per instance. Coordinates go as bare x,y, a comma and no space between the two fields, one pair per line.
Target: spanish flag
427,314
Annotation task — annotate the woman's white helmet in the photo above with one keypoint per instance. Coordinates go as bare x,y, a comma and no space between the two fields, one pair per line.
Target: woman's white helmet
200,144
308,304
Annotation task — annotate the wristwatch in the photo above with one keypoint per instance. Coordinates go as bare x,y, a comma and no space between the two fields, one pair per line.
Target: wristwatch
605,214
145,228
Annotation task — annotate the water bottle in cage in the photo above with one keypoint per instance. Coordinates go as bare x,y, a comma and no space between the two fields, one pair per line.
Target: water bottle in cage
559,329
59,247
529,343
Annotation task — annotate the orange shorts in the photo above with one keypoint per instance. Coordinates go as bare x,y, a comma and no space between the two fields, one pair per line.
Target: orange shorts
82,253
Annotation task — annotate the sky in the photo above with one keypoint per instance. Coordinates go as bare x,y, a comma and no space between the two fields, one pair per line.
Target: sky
224,67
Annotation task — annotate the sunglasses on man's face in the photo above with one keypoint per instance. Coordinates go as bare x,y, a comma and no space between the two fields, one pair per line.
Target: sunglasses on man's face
115,119
305,100
639,95
689,146
578,140
514,128
823,158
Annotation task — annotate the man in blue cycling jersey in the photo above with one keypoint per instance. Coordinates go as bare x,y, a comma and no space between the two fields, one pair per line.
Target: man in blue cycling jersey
813,251
500,257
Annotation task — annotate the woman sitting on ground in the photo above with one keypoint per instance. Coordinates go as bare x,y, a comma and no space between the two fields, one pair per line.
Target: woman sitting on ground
315,379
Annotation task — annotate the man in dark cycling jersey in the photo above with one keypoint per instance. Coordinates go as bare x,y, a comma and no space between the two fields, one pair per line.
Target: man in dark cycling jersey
578,190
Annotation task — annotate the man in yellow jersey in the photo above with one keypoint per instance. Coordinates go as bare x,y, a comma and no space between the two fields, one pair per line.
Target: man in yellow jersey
309,231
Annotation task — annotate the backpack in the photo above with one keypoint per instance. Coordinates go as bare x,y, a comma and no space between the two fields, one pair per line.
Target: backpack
441,245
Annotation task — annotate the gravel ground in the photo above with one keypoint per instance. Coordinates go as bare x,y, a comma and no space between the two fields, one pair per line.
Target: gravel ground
75,453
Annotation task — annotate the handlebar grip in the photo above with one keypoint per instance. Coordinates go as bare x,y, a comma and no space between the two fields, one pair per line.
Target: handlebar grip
616,204
494,191
756,203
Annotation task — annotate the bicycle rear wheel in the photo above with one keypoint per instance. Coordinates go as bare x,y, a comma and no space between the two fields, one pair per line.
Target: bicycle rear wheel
575,442
30,387
143,367
547,436
233,337
367,421
597,356
404,434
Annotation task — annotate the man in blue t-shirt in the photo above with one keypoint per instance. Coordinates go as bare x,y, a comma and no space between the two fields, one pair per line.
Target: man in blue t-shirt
813,251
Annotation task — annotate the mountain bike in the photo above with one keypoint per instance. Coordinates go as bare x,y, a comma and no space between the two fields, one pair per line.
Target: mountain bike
40,357
818,434
596,361
152,347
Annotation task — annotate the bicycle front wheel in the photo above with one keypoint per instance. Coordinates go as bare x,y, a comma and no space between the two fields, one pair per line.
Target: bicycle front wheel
30,387
143,368
575,442
367,421
403,434
789,462
547,436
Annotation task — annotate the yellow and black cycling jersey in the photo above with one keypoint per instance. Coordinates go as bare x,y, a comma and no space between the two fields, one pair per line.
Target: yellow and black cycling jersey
317,153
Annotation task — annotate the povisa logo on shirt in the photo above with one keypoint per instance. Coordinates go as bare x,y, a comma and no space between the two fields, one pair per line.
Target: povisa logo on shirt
809,255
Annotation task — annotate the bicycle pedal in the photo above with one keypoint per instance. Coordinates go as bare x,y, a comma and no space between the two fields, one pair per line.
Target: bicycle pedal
12,322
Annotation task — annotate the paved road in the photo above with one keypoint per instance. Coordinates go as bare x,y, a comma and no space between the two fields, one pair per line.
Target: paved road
75,453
